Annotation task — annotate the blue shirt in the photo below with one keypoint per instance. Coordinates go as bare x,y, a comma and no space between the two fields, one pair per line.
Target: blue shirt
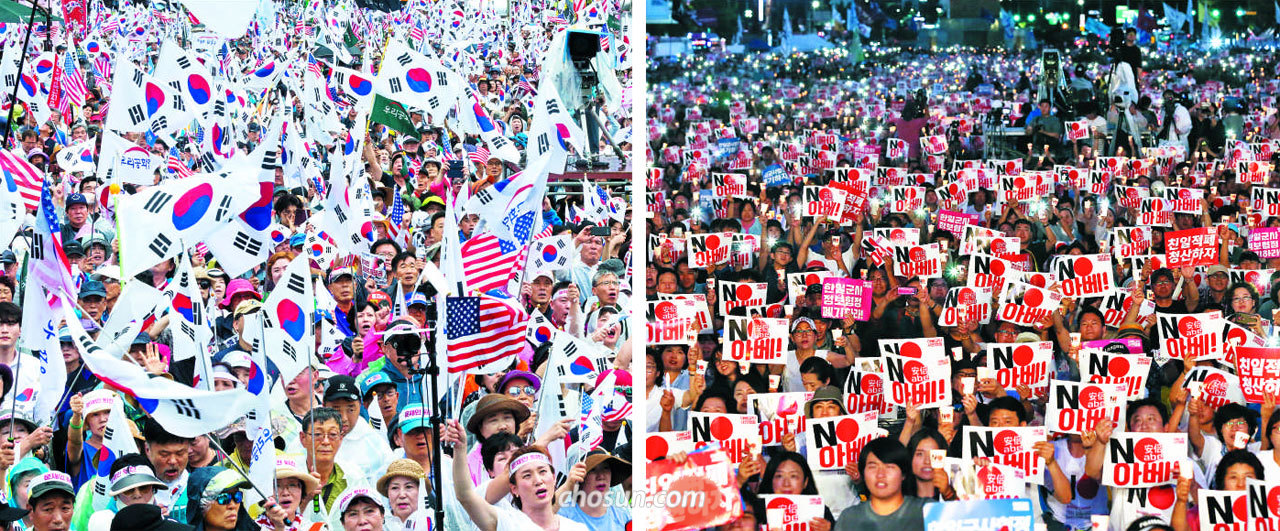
614,519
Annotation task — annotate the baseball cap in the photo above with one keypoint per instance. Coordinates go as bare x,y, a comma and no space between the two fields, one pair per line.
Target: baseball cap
1215,269
7,257
341,387
50,482
373,379
339,273
72,248
414,416
417,298
245,307
76,199
92,288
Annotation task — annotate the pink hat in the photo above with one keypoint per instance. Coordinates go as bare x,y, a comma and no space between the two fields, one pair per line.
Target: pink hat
623,378
236,287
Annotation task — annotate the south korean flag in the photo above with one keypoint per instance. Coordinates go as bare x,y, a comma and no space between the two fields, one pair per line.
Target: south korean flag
551,254
540,329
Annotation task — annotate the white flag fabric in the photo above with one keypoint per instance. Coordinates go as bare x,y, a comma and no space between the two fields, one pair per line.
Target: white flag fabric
137,300
257,423
123,162
552,131
41,316
191,332
228,18
417,81
77,157
183,210
550,254
187,76
289,332
180,409
475,119
244,242
139,103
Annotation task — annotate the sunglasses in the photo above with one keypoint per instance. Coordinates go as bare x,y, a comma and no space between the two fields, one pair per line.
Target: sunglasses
228,497
528,390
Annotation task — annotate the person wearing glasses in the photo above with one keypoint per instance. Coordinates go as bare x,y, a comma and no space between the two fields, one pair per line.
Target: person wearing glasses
215,500
1242,300
363,448
321,437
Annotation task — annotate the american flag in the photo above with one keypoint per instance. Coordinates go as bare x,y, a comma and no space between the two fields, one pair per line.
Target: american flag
527,87
175,164
396,217
313,66
477,154
50,264
102,68
20,175
618,409
589,429
482,330
487,262
73,85
417,34
604,41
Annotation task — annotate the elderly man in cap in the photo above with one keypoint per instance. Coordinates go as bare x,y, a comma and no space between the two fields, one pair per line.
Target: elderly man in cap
583,269
51,500
92,298
342,285
96,251
78,224
378,384
168,455
363,448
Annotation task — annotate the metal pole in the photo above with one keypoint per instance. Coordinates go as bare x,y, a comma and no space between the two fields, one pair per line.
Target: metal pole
217,448
22,58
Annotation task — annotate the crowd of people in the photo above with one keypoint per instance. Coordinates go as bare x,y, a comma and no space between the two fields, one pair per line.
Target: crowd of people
870,245
398,301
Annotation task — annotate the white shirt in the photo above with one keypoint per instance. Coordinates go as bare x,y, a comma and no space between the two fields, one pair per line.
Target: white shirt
366,451
514,520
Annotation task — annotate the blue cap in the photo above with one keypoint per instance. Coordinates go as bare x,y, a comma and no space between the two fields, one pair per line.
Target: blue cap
417,298
142,339
371,380
413,416
76,199
92,288
64,334
297,239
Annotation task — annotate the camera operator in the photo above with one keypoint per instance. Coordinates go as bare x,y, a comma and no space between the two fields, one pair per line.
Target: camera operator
1175,120
1045,129
1129,124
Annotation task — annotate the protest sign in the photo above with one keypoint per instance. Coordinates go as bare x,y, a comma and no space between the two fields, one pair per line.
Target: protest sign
1136,460
737,435
798,283
906,199
1222,509
1102,367
1266,202
996,481
791,512
1191,247
1077,407
660,444
729,185
1184,200
1265,241
1084,276
1155,212
1217,387
924,261
845,297
1263,506
986,271
775,175
1025,305
709,249
740,295
1014,447
1017,364
924,381
755,339
1130,241
824,202
705,490
954,222
864,388
1077,130
779,414
1194,335
836,441
670,323
1259,371
898,236
965,304
1010,514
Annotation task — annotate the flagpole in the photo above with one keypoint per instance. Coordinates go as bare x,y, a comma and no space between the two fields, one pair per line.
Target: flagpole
217,448
26,41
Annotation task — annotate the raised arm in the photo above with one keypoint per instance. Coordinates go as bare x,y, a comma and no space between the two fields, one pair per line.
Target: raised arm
483,515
